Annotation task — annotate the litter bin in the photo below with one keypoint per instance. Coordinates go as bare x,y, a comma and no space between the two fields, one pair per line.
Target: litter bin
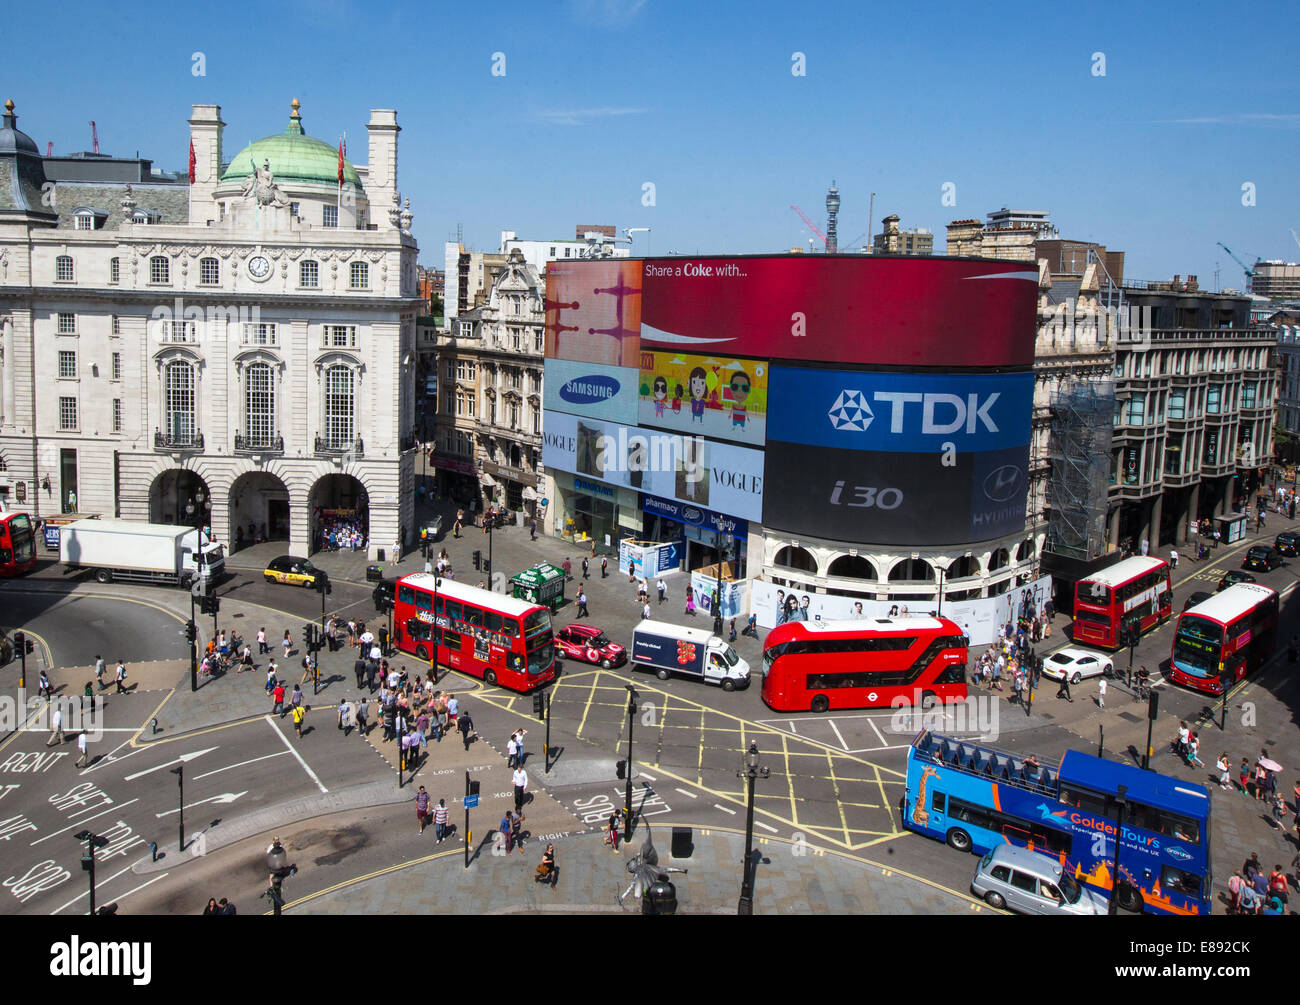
659,897
375,573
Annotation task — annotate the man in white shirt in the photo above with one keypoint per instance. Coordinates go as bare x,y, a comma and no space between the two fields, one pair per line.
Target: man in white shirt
512,751
1101,692
56,725
81,746
520,779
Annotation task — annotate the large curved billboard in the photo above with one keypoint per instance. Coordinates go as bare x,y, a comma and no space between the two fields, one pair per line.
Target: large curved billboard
897,458
935,313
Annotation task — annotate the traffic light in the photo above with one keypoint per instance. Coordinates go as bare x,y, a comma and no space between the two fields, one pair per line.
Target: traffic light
487,565
191,632
321,584
621,768
210,605
478,559
539,705
20,643
473,787
308,635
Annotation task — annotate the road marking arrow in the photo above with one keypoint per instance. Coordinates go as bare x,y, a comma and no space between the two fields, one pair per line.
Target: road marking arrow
225,797
180,760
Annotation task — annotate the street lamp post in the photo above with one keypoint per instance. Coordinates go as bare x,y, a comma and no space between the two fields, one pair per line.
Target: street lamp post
750,771
939,612
179,772
723,542
631,714
1120,793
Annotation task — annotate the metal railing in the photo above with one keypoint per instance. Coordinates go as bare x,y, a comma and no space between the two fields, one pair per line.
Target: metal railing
177,441
329,447
259,444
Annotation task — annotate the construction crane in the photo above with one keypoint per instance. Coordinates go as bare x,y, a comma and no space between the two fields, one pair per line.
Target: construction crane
94,136
811,226
49,152
1250,273
1295,235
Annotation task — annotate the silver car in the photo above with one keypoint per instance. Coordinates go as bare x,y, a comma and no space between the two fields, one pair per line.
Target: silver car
1030,883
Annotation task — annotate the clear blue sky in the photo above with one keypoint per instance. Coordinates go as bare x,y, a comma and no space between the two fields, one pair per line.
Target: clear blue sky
600,96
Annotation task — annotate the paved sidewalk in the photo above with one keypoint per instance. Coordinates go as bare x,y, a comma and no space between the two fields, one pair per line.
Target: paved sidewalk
591,876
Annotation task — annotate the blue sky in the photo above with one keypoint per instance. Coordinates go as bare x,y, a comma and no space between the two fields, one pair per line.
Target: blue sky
602,96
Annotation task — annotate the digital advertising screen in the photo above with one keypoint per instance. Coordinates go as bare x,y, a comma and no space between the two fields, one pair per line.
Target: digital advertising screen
721,398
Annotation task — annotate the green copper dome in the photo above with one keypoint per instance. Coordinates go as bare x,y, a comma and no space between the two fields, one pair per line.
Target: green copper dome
294,156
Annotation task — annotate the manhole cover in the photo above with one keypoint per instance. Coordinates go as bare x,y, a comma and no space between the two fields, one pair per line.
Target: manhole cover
1130,717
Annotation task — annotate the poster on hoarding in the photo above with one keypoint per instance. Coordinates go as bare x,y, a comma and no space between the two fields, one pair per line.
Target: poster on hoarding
720,397
916,311
593,311
980,619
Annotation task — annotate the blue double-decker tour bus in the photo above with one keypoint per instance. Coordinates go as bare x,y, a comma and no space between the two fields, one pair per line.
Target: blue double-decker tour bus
975,798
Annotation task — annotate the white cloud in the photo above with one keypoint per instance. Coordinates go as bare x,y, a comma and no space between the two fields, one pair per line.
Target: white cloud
1235,119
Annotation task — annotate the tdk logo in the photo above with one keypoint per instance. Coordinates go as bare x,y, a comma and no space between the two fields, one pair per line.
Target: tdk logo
588,390
941,414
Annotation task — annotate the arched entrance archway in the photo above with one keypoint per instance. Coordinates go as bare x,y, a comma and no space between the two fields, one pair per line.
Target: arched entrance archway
259,509
180,496
340,513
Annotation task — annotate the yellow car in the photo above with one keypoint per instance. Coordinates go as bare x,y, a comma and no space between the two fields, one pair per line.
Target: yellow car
294,571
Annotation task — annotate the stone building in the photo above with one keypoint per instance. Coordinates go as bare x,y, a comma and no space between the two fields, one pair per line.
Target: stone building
249,364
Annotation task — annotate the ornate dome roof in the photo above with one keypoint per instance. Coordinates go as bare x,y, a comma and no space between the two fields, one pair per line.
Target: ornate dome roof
294,157
22,171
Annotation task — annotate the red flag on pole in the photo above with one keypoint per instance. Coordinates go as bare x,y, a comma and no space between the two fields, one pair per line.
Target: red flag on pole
340,162
192,162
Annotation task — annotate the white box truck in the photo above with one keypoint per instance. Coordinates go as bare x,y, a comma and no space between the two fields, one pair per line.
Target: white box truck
140,552
688,652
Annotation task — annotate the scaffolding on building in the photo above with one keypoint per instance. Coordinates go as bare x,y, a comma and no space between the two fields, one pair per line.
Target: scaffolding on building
1081,428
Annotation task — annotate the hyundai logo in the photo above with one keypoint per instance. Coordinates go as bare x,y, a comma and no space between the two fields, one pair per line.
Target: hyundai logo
1005,483
589,389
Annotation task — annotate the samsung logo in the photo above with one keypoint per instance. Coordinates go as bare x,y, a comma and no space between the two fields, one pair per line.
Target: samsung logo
589,390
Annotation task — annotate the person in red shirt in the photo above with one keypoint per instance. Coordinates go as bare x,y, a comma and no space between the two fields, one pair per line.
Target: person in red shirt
278,697
1277,883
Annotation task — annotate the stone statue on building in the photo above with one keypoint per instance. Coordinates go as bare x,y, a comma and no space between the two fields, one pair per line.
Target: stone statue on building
260,185
127,204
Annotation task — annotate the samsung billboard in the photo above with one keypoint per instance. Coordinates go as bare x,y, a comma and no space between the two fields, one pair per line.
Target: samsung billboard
939,313
896,458
597,390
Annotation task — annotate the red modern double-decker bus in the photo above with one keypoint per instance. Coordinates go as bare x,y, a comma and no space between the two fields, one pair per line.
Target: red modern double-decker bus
1220,640
1136,588
17,544
484,634
820,665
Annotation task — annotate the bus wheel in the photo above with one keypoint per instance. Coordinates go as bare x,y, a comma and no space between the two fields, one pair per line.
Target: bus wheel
994,899
103,576
959,839
820,703
490,676
928,700
662,674
1129,898
728,685
422,653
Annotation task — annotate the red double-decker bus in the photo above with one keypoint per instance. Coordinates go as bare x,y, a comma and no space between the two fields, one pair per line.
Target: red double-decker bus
17,544
820,665
1219,641
484,634
1135,588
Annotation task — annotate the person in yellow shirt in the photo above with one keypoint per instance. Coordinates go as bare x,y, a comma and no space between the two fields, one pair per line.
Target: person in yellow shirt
298,715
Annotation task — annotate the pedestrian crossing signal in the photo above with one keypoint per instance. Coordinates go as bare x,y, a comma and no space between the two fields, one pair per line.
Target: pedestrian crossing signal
621,768
478,559
191,632
539,705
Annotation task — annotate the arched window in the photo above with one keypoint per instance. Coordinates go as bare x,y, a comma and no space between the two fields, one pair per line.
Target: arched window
340,398
1026,550
852,567
63,271
912,570
965,566
999,560
259,404
796,558
178,402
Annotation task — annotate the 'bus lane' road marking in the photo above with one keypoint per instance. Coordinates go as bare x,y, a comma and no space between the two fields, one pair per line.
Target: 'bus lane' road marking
79,823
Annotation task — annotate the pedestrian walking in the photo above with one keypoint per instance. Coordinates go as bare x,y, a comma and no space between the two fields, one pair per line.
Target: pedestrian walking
520,779
277,699
296,697
1224,765
56,729
1173,558
506,830
582,604
512,752
120,678
532,536
1101,692
520,756
466,725
288,644
517,829
604,566
567,566
421,807
546,871
690,602
586,574
363,713
262,647
1244,776
99,670
299,714
612,830
345,712
43,688
359,670
1064,690
440,814
83,761
662,587
645,611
